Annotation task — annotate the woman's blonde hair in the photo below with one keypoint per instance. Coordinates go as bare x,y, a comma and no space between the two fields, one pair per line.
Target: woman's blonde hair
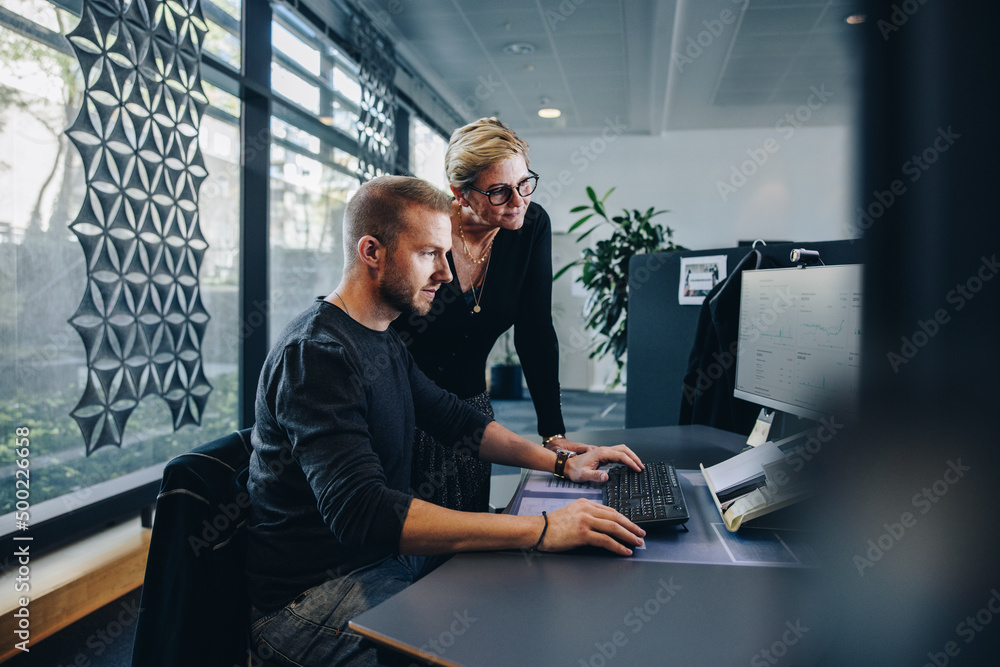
479,145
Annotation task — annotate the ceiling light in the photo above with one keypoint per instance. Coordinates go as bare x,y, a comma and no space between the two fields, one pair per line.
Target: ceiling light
519,48
549,113
855,19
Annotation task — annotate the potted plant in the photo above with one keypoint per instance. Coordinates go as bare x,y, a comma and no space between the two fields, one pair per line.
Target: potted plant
605,270
505,375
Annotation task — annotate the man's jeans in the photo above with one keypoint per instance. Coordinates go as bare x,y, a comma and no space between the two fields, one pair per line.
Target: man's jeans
312,629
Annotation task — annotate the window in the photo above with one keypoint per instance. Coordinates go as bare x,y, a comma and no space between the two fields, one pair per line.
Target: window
223,37
307,211
314,167
345,105
427,149
295,88
313,170
289,44
42,358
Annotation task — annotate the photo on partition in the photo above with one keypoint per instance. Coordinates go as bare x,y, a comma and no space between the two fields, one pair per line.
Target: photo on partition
698,276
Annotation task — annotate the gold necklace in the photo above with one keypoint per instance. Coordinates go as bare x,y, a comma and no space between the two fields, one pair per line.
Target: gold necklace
486,253
482,286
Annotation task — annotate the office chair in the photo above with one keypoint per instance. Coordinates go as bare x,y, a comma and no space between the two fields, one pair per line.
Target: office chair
194,605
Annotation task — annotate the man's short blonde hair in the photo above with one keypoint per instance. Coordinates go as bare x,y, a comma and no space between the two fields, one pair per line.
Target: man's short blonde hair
479,145
379,208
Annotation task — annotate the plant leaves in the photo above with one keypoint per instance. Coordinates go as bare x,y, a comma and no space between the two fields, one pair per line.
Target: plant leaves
580,222
564,270
605,271
586,233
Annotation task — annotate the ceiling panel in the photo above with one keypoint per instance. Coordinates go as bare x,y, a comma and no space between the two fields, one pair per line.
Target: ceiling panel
608,45
756,46
779,51
780,21
472,6
656,64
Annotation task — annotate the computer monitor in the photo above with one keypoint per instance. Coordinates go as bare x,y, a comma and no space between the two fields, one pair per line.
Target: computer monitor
799,346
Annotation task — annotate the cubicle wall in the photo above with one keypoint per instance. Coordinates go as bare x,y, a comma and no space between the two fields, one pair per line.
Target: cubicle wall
661,330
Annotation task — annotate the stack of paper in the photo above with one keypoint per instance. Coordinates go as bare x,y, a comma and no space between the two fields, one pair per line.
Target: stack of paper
743,470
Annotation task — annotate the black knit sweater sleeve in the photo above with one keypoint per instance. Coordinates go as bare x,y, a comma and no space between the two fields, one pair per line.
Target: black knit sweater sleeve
534,335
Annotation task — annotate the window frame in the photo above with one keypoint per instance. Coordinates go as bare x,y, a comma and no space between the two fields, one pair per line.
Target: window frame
134,494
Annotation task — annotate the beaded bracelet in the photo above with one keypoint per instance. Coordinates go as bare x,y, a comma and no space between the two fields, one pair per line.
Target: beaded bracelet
542,536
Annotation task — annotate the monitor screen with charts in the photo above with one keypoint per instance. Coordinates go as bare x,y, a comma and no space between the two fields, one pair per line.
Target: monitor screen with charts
799,348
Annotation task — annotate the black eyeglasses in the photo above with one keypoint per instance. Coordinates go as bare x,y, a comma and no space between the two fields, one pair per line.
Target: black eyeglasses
502,194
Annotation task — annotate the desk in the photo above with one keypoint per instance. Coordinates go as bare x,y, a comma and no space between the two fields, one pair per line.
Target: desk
596,610
684,446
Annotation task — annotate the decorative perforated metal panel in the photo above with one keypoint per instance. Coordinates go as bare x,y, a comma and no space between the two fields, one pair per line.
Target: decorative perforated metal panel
141,316
376,126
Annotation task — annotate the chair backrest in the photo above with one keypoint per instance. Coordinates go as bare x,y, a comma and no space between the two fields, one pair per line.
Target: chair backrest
194,605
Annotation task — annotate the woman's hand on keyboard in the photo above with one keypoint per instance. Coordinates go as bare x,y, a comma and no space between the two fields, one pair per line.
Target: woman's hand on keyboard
584,467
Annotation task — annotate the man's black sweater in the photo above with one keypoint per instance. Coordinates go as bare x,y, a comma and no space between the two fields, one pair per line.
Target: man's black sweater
329,475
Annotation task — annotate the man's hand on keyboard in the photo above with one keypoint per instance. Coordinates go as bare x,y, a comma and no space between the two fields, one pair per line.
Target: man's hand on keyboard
586,523
583,468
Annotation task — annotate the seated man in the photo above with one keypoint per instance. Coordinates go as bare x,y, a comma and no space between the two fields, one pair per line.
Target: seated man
333,530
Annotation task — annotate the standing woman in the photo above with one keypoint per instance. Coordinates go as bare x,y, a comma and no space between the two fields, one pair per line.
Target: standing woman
501,260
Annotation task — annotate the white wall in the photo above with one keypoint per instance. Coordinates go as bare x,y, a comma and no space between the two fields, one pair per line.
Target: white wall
801,192
717,194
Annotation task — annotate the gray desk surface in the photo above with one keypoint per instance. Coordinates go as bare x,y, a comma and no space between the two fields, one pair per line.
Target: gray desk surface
684,446
597,610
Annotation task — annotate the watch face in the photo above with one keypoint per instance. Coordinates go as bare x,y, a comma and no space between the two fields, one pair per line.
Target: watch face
561,457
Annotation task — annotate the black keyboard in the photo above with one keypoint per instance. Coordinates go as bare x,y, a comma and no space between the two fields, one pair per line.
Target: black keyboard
649,498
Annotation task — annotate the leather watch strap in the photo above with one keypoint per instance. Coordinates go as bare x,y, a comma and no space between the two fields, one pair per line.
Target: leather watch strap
562,456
